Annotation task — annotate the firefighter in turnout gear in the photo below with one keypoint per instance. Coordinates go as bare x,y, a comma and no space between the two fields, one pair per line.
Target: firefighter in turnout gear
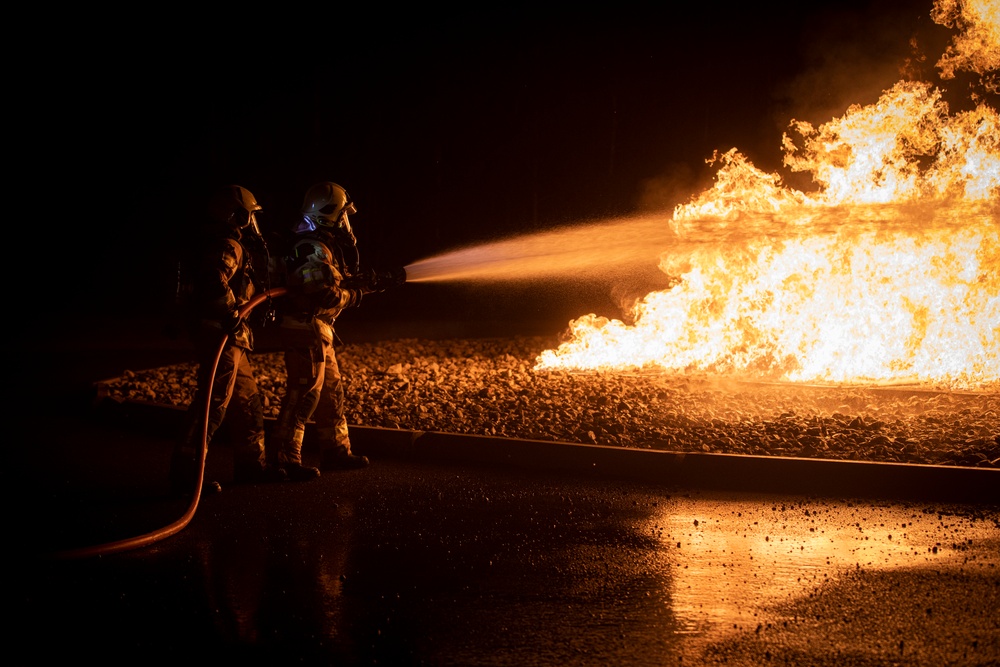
322,278
223,279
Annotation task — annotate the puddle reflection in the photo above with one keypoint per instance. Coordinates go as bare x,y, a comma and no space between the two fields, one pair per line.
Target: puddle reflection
731,559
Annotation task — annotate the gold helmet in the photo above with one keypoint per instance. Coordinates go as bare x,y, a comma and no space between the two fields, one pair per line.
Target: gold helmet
326,203
234,205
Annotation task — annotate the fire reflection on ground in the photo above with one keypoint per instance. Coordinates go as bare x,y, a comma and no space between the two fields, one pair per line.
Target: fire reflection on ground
733,565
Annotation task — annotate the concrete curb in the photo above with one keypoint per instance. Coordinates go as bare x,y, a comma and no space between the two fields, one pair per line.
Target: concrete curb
723,472
731,472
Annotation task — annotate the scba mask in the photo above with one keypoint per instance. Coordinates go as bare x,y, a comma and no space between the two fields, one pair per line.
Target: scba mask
251,223
327,208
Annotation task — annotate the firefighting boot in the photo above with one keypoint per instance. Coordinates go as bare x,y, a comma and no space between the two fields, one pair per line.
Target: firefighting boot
290,459
340,457
250,463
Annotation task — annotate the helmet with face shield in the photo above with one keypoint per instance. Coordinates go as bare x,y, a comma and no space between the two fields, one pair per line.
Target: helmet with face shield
327,205
326,208
235,206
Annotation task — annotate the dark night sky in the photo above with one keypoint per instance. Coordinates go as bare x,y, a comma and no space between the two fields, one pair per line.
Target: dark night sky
446,128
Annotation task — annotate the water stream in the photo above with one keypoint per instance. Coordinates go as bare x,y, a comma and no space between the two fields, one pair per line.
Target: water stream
595,250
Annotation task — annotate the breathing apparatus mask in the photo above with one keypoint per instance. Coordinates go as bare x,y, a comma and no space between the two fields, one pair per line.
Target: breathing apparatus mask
252,225
325,209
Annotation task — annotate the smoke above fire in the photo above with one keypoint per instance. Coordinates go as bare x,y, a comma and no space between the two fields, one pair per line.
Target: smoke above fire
888,271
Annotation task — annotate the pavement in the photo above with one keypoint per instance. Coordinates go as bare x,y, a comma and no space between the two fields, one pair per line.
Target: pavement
457,550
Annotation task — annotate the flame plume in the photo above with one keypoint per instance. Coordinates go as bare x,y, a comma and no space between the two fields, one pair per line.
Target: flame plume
888,272
977,46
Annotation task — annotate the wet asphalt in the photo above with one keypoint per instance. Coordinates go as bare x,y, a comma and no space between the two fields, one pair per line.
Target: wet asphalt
432,557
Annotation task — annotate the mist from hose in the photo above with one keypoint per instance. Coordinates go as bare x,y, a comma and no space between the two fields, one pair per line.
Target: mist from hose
584,251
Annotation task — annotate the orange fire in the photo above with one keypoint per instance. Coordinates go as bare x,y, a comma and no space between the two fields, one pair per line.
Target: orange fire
889,272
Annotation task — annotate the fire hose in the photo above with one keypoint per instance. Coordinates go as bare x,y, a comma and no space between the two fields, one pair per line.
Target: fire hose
181,523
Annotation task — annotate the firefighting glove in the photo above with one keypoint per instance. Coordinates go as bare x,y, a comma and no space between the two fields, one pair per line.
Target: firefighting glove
360,281
232,324
379,281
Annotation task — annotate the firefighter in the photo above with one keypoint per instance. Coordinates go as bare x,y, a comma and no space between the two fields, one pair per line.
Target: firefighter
323,278
228,266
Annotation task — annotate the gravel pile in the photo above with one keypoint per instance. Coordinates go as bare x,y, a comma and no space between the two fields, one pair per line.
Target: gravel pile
488,387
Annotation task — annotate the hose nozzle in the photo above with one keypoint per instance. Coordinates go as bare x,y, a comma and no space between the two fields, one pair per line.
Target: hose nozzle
377,281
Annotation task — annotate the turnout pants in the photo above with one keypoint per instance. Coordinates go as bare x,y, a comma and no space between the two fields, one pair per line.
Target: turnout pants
315,391
235,398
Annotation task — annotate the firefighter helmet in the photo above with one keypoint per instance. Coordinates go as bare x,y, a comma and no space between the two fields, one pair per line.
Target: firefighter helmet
325,203
234,205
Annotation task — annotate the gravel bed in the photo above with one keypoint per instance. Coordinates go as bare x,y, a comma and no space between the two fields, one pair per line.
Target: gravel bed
488,387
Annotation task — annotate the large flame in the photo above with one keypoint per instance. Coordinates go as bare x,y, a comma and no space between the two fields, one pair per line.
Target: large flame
976,48
888,272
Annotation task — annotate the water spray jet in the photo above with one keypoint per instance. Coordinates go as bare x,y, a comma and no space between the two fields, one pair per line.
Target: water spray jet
592,251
